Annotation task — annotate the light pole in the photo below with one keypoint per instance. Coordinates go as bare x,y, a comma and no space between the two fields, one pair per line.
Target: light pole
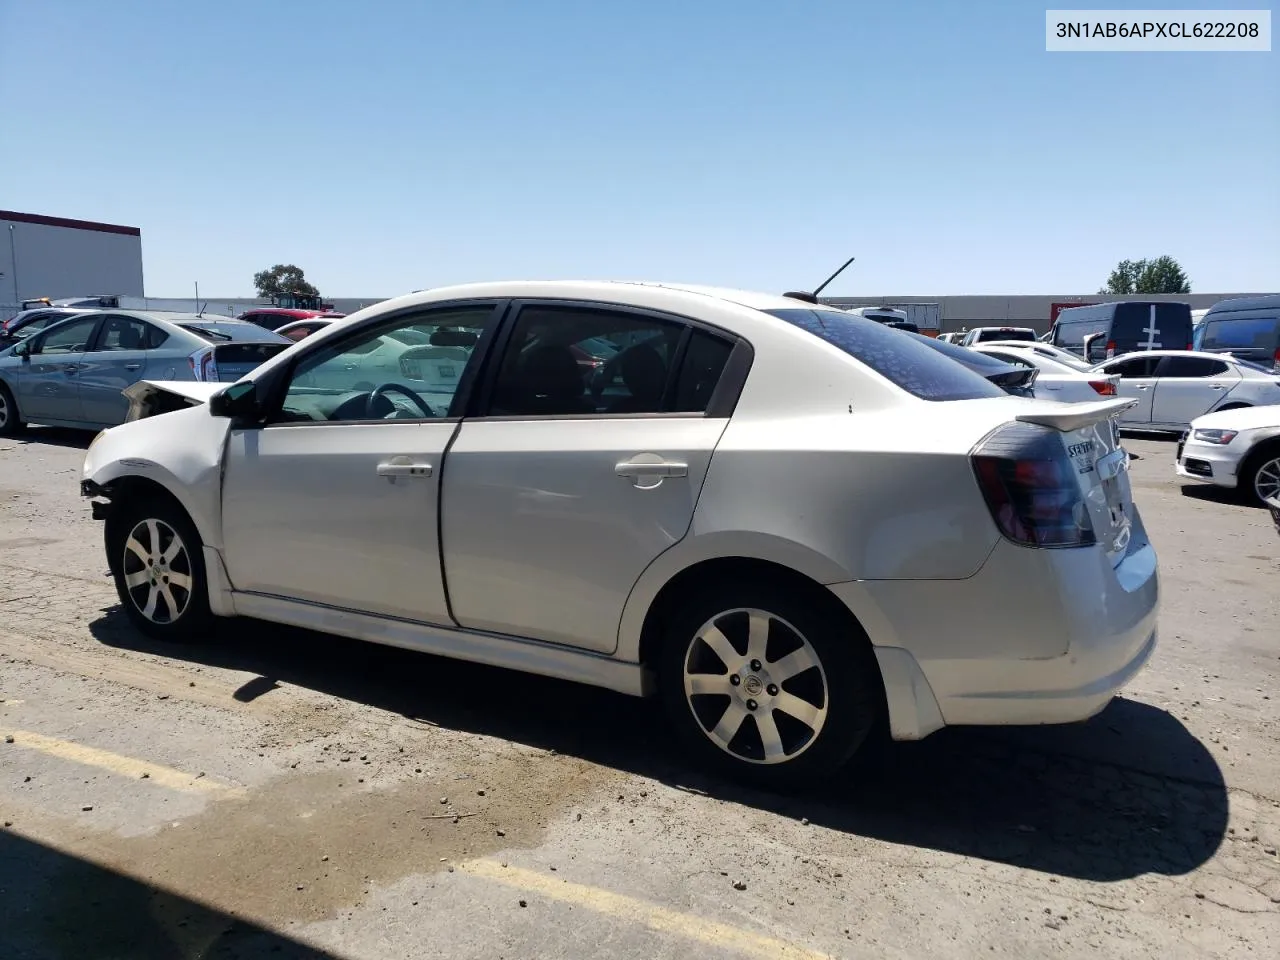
13,263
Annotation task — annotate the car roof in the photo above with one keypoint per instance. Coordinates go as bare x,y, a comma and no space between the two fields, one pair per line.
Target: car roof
1245,303
1171,353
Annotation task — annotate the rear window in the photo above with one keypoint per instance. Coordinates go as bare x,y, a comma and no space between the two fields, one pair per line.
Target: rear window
236,332
920,369
1131,328
1006,333
1240,333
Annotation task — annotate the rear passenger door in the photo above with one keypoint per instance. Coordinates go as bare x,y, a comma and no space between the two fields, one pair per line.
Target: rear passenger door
581,462
1137,381
115,360
1187,387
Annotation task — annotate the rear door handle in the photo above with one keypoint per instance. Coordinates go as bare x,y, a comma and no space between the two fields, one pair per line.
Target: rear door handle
652,468
71,369
133,366
403,467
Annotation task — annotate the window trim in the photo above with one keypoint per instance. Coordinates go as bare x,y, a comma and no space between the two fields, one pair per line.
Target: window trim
275,383
720,405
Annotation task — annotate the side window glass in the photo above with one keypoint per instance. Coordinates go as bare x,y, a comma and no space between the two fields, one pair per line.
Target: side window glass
565,361
376,375
1135,367
704,362
155,337
1191,367
123,333
71,338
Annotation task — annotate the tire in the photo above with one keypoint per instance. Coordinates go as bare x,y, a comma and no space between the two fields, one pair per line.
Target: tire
10,420
162,586
838,697
1260,475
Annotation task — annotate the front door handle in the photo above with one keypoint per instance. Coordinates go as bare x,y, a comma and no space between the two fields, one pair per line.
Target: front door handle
651,469
133,366
403,467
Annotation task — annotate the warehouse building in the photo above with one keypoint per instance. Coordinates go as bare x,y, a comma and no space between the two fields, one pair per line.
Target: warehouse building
54,257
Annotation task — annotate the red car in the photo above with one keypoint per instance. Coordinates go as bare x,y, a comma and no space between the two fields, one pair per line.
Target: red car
274,317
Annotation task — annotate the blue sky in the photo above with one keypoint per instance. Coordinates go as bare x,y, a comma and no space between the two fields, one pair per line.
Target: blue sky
389,146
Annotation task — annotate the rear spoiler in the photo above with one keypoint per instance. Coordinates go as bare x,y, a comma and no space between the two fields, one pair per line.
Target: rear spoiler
1075,416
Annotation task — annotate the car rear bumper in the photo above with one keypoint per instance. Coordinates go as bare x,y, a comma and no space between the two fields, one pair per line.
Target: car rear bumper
1207,462
1036,636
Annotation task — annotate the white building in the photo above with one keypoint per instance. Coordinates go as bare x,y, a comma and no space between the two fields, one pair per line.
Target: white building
55,257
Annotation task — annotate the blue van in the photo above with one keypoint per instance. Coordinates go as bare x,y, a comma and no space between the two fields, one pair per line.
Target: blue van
1112,329
1246,327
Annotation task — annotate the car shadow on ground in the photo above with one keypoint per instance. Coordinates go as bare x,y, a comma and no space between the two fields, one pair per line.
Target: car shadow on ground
54,436
1132,791
1223,495
57,905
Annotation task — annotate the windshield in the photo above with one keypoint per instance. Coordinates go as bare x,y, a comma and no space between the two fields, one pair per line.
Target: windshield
916,363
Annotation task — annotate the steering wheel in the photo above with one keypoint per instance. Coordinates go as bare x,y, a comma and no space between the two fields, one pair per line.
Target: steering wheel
400,388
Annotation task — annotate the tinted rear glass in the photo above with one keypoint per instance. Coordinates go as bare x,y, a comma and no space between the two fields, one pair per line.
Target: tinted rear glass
1241,333
236,332
1130,331
921,369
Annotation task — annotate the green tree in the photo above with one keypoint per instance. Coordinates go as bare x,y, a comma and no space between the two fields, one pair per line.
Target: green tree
1161,275
281,279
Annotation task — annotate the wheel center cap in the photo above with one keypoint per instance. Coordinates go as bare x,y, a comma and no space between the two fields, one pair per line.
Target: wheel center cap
753,685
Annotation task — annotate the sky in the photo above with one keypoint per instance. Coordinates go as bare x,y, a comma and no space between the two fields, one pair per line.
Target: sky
391,146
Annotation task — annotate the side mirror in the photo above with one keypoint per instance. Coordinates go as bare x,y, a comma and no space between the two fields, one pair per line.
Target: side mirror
22,349
237,402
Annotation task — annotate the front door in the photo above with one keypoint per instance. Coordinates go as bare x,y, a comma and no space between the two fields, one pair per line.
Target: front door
1137,381
1188,387
583,465
334,501
49,386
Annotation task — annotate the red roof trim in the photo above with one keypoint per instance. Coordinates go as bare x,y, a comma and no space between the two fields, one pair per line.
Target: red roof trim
69,224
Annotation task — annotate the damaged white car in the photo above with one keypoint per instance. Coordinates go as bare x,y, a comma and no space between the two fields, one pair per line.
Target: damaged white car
785,521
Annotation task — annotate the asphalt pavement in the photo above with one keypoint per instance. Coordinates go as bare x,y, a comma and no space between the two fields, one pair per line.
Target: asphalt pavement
279,793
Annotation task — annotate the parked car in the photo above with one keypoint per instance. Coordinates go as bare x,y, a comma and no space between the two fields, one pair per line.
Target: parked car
1245,327
297,330
779,597
274,317
1238,449
1056,381
983,334
71,374
24,324
1017,379
1103,331
953,337
1047,350
1173,387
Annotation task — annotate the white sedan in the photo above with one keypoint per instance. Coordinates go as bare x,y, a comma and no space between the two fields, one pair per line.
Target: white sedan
1056,381
1238,449
785,521
1173,387
1047,350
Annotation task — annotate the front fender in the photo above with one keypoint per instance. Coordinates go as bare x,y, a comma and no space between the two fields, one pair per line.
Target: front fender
181,451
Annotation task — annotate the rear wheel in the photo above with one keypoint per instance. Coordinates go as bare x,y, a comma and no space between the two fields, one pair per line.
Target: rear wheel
157,561
10,422
765,684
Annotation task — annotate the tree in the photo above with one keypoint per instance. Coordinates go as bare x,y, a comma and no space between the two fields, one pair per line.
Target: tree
1161,275
281,279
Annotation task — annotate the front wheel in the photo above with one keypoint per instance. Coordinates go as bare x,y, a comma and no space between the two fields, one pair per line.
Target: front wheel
1260,478
156,558
763,684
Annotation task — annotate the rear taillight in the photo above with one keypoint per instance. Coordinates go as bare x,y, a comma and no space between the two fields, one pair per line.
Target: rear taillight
1275,360
1030,486
203,365
1111,349
1103,387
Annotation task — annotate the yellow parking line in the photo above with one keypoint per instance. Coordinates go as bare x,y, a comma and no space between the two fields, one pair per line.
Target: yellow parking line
115,763
651,915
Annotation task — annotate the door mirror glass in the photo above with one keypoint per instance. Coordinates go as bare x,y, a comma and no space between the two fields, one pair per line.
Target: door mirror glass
238,402
22,349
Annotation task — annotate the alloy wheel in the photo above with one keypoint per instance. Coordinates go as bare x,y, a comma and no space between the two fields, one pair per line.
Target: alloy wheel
157,571
1266,482
756,686
4,410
